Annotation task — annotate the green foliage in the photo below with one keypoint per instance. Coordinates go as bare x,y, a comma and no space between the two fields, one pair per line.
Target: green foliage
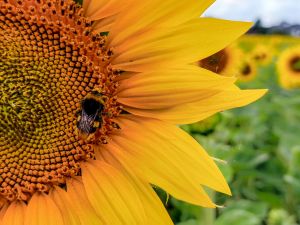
280,217
238,217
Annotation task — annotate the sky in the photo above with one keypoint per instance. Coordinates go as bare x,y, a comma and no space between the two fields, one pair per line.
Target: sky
271,12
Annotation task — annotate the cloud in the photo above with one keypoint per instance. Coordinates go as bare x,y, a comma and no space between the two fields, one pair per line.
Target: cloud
270,11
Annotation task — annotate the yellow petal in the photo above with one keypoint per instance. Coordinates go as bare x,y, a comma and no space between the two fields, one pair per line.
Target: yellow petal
3,211
3,202
164,89
144,16
199,110
42,210
112,194
99,9
65,205
85,211
166,156
103,25
14,214
85,5
185,44
154,210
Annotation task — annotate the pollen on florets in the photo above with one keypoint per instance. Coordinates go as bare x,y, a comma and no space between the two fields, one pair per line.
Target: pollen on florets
50,60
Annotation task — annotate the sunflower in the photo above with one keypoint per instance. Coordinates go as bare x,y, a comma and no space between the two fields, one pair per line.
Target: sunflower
288,68
224,62
91,97
262,54
247,71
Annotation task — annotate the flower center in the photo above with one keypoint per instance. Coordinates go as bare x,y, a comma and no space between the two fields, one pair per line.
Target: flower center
216,62
56,101
246,70
260,57
295,64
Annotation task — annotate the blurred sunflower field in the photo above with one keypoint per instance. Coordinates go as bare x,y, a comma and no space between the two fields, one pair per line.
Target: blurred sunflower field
259,144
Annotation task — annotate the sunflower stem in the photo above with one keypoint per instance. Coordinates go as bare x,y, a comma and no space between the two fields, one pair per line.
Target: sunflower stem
207,216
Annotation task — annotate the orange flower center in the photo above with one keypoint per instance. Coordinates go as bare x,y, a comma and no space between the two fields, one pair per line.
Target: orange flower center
57,89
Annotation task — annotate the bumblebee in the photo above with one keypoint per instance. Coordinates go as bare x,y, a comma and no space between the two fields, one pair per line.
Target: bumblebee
90,116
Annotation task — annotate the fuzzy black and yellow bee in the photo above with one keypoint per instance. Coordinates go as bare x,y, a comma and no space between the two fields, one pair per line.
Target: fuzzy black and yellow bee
90,116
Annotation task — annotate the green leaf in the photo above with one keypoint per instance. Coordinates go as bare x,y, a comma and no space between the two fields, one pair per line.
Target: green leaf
238,217
280,217
189,222
260,209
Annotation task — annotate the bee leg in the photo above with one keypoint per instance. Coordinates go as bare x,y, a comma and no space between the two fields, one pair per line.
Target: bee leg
96,124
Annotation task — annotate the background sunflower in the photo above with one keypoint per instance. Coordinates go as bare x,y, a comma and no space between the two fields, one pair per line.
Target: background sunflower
224,62
247,70
288,68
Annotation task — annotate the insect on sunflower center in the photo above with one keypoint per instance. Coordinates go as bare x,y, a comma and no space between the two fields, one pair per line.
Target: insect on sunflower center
91,114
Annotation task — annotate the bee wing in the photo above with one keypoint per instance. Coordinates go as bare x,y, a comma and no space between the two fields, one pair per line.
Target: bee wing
86,121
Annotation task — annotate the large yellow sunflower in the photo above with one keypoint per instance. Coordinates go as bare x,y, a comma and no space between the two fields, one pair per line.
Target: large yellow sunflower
90,99
224,62
288,67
